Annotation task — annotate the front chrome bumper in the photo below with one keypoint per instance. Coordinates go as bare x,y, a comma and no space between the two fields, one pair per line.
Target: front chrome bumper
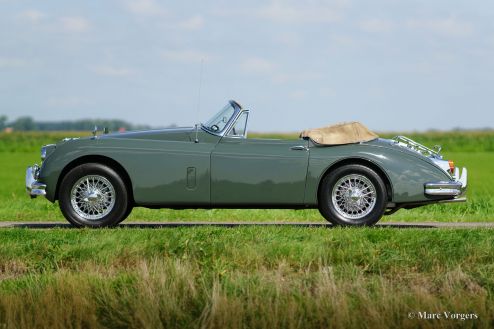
456,188
33,187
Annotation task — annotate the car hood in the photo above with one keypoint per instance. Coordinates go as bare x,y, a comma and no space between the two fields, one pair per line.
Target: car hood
171,134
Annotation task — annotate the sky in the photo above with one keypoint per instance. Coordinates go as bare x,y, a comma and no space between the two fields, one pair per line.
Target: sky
393,65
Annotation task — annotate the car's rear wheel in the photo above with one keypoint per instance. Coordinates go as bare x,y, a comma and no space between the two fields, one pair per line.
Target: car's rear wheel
93,195
352,195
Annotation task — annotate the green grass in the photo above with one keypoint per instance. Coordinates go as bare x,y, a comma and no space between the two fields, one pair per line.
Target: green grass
244,277
32,141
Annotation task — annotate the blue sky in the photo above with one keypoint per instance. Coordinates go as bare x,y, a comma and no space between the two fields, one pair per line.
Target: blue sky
393,65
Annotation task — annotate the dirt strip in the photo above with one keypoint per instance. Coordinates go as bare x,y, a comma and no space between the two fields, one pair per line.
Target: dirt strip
138,224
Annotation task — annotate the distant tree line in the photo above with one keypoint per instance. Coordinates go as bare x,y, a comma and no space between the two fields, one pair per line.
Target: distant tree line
28,123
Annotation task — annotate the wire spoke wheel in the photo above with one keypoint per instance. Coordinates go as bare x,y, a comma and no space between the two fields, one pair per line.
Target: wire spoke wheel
353,196
92,197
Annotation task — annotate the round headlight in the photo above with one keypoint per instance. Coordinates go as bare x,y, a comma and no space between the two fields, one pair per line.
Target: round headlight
43,153
46,150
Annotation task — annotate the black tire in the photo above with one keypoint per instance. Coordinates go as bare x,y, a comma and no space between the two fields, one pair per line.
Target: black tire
93,195
351,206
127,213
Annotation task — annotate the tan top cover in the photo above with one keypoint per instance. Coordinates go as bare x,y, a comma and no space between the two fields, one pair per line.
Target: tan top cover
341,133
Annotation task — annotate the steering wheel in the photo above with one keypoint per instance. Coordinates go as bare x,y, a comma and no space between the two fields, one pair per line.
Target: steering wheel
215,128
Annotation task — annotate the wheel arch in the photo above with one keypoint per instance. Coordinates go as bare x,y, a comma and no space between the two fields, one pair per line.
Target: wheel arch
359,161
104,160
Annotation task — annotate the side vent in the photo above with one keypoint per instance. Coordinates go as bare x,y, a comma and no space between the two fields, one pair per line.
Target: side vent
191,178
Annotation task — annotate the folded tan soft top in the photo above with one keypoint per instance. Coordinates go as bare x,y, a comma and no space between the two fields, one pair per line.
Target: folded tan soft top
342,133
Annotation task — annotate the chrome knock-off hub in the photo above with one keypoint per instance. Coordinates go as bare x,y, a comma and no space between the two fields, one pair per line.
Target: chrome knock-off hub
93,197
353,196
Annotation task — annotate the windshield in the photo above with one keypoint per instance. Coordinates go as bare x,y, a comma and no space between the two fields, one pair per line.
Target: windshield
219,121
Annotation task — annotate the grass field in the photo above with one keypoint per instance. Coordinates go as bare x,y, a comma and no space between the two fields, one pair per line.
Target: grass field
247,277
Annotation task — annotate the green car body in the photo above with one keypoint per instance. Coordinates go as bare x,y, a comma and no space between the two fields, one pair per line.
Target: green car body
200,168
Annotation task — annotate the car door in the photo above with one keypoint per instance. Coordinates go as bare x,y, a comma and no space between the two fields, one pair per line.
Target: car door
257,172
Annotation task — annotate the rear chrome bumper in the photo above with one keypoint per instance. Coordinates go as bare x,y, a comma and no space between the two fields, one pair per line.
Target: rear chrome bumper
33,187
455,188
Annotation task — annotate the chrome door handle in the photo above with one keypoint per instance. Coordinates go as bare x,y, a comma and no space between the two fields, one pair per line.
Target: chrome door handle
299,148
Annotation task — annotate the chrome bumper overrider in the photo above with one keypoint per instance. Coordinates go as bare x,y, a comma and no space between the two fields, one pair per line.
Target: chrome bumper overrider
33,187
456,187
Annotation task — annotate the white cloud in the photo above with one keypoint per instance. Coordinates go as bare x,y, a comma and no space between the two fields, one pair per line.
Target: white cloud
289,11
340,40
111,71
64,23
302,12
296,77
298,94
11,62
257,65
266,68
32,15
193,23
289,39
188,56
64,102
444,26
327,92
145,8
490,40
376,25
75,24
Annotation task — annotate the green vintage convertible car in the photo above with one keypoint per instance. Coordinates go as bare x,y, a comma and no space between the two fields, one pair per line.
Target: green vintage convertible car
347,172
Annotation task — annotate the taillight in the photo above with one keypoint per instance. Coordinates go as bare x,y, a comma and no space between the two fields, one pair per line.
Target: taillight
451,166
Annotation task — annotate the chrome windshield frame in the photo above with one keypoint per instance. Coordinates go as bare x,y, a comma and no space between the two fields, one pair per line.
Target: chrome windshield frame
237,111
227,132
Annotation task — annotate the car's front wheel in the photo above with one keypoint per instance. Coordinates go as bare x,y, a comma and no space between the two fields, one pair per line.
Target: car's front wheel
352,195
93,195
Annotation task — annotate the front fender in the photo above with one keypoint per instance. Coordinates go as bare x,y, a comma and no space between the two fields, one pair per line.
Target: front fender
65,153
